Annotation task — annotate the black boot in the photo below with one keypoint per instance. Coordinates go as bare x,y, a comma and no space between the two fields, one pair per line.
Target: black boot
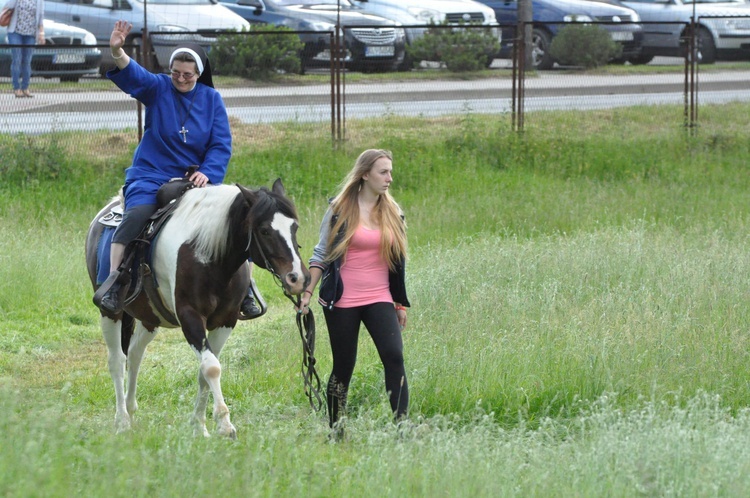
249,308
111,299
107,297
336,397
253,305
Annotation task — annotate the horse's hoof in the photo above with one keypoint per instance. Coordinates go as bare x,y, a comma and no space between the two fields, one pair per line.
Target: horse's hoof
122,425
201,431
230,433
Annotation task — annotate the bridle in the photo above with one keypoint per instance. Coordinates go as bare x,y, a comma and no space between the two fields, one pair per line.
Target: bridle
306,328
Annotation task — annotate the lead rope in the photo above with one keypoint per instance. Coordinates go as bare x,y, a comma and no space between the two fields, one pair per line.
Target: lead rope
306,328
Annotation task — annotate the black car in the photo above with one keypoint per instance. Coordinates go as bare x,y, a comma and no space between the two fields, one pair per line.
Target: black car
371,42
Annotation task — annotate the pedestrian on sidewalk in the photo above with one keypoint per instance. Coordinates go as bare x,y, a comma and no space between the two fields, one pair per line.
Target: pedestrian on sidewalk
26,29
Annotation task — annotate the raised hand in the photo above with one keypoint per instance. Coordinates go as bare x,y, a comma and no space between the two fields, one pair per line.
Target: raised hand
119,35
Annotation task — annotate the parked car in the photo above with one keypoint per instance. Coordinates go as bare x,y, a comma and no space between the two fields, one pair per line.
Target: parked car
549,16
421,12
723,28
413,13
377,43
196,21
68,53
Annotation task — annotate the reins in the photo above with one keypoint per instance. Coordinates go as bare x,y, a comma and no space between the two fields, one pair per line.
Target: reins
306,328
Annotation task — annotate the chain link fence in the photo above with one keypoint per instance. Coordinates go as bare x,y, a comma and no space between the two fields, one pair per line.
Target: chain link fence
70,95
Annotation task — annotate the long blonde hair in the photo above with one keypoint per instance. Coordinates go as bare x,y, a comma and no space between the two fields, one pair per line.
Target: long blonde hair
386,213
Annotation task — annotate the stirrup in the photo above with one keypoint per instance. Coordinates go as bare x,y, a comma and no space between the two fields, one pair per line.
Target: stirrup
115,277
258,300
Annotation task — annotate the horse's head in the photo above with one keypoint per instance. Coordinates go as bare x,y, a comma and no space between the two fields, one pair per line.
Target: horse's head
273,240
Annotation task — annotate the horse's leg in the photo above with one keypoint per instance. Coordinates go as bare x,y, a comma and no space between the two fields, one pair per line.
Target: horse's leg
194,328
216,339
112,332
141,338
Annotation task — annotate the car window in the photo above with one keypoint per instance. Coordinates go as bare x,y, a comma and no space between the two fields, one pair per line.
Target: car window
180,2
96,3
713,1
107,4
344,3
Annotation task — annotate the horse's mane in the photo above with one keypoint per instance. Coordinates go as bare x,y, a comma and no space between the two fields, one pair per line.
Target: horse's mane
271,203
207,216
204,213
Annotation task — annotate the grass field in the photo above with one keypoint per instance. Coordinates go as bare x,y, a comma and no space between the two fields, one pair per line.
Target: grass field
579,321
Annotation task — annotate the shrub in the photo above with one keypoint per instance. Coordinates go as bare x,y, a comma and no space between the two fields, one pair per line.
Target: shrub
584,45
460,49
260,55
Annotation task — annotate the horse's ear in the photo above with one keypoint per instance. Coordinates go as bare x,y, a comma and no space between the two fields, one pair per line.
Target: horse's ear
248,194
278,187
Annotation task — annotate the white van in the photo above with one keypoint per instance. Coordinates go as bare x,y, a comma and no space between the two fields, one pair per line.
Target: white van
199,20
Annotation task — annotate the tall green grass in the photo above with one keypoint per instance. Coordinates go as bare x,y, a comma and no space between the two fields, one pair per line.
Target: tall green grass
578,324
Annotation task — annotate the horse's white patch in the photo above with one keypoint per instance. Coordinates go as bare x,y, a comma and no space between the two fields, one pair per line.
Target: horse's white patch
203,215
202,218
283,225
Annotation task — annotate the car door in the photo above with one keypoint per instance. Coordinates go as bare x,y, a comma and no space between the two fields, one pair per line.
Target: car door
506,14
668,20
96,16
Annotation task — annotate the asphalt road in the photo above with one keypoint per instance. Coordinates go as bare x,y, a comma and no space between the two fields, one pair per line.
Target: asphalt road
551,90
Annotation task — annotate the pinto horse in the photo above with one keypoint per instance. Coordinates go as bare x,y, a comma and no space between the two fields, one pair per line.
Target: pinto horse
199,262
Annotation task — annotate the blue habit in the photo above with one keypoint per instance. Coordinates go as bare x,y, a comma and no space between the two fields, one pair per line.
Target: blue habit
165,153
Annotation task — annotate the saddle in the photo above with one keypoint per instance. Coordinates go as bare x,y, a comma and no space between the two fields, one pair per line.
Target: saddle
134,273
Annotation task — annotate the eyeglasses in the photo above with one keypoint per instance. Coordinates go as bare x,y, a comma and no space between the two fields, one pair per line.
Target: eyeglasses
186,76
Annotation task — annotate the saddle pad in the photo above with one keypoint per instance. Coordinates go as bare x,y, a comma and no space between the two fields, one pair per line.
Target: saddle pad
102,254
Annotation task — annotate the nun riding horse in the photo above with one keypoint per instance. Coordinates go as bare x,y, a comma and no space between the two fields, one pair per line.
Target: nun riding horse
197,271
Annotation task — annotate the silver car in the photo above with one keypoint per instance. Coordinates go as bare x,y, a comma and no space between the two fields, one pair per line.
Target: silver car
68,53
422,12
723,28
411,13
196,21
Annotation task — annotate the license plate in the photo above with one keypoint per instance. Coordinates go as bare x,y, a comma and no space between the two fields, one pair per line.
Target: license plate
379,51
68,59
622,35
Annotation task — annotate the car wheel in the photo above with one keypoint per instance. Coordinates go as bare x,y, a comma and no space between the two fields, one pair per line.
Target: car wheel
641,59
706,47
540,56
406,65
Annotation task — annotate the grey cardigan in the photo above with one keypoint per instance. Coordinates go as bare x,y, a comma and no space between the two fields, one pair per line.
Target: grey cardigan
11,4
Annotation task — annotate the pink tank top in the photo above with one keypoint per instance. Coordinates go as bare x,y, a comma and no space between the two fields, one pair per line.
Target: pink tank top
364,273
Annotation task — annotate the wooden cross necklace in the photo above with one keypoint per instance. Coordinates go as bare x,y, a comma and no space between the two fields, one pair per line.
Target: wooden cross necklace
184,131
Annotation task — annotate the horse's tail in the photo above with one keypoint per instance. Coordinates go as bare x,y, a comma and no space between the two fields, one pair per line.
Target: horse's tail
126,331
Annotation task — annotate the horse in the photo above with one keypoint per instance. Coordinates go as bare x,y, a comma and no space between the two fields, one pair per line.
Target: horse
199,263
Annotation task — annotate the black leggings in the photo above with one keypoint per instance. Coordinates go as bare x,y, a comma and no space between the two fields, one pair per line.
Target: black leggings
133,222
343,330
